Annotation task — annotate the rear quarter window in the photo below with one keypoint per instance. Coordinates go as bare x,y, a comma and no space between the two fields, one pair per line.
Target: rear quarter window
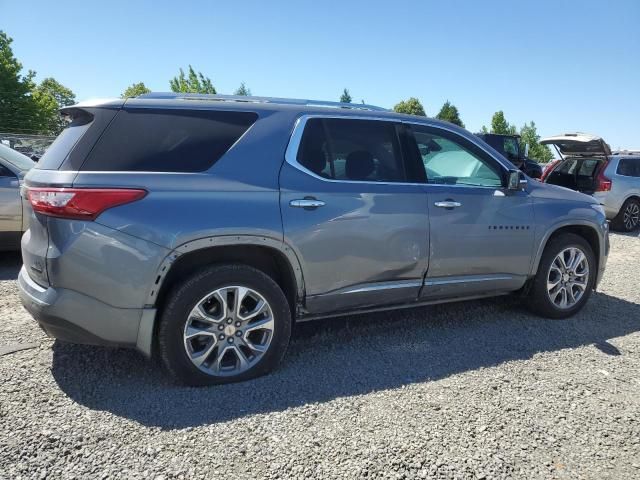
629,167
167,140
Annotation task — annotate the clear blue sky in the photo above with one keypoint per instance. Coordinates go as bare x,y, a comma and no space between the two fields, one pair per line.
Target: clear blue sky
568,65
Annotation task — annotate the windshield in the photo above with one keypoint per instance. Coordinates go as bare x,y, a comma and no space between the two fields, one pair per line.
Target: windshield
18,160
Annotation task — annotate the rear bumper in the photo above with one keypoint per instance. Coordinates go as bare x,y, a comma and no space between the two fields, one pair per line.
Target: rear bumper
73,317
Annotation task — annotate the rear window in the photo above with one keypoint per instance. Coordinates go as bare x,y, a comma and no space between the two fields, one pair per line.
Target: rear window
64,143
167,140
629,167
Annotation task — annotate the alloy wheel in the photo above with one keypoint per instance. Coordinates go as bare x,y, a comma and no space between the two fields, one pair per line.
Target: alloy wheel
228,331
568,278
631,216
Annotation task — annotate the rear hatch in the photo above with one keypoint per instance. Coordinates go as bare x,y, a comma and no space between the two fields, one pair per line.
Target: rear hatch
584,158
58,168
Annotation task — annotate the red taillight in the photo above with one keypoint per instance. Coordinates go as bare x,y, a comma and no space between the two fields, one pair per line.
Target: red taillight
603,184
547,169
80,203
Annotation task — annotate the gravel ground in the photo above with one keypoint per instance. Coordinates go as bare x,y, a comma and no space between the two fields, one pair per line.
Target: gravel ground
472,390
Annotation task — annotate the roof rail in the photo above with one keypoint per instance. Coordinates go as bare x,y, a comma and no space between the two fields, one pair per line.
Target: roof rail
626,152
251,99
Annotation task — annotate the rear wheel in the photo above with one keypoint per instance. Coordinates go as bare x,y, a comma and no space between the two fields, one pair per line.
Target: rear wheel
628,217
565,277
224,324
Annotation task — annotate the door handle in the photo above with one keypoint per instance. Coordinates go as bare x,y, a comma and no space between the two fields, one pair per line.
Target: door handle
307,203
449,204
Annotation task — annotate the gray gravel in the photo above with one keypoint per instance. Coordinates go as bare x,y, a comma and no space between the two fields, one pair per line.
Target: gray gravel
475,390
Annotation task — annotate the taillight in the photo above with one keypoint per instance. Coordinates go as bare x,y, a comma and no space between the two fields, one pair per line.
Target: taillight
80,203
547,169
603,184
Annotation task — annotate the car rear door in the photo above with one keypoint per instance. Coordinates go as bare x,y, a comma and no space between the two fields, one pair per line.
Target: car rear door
353,213
481,233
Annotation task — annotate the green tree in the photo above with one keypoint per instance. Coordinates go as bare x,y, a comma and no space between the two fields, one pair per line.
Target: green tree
500,125
18,110
135,89
345,97
242,90
529,135
51,96
449,113
193,83
411,106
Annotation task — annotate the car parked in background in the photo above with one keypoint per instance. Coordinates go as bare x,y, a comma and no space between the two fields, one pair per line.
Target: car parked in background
588,165
201,227
13,220
509,146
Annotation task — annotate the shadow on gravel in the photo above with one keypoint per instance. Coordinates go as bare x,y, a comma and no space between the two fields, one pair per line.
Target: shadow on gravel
10,263
338,358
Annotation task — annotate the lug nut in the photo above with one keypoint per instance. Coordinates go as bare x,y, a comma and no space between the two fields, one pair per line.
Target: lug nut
238,333
229,321
220,327
238,324
221,337
230,340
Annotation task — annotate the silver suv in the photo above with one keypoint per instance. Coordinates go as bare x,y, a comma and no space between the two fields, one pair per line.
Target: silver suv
200,228
613,178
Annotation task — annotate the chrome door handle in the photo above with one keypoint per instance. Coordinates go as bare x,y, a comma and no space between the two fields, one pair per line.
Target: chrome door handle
448,204
309,203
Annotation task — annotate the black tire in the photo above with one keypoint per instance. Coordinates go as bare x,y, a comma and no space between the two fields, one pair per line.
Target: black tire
539,300
619,221
187,294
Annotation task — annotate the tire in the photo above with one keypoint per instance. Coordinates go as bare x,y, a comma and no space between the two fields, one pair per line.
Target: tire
628,218
540,298
195,327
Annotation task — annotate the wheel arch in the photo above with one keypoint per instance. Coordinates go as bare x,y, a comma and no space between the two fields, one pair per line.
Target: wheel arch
585,230
272,256
269,255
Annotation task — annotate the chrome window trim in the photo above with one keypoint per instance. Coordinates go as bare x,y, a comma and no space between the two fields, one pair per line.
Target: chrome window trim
291,152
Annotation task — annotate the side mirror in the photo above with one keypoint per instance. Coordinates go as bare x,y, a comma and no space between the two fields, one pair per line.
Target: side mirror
516,180
526,151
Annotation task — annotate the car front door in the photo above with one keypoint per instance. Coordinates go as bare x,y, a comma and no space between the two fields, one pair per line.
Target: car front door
353,214
481,234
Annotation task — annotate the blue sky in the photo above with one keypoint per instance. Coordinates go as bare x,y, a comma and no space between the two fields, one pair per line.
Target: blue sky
567,65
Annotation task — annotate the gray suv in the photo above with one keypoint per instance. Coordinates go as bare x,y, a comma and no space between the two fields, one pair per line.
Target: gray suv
200,228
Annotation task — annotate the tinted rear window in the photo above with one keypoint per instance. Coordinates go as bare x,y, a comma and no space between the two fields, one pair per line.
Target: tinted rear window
64,143
167,140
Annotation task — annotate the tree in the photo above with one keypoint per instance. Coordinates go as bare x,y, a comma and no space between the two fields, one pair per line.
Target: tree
242,90
345,97
51,96
449,113
500,125
529,135
18,110
135,89
411,106
194,83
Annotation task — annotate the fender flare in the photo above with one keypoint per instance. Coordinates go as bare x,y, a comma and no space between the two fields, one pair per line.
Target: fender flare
557,226
226,240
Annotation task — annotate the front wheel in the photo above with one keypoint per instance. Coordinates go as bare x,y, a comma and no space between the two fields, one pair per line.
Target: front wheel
224,324
565,277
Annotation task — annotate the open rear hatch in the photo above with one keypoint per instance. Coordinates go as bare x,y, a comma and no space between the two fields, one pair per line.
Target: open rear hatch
584,158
